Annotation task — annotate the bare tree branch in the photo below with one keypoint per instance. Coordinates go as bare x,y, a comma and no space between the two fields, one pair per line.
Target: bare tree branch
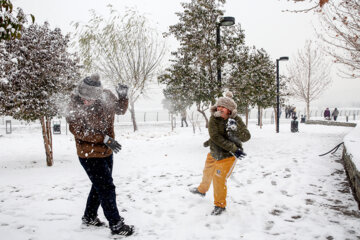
124,50
309,74
341,33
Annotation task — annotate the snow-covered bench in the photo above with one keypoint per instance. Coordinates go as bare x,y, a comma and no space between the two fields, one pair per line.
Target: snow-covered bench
331,123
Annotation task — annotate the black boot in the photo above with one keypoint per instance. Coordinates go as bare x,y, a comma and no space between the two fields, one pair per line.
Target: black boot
196,191
218,210
92,221
122,229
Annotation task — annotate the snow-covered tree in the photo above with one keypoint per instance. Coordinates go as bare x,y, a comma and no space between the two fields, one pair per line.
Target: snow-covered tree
11,26
124,49
309,74
177,76
253,79
34,71
199,54
184,87
239,68
168,104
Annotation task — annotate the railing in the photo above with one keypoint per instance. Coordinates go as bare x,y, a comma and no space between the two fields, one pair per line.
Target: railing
160,117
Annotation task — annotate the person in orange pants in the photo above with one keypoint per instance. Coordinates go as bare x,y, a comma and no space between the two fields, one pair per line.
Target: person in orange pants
227,132
218,172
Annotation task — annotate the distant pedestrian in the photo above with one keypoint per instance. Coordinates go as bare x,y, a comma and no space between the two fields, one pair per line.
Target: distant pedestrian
327,114
335,114
287,114
91,119
221,160
183,118
293,113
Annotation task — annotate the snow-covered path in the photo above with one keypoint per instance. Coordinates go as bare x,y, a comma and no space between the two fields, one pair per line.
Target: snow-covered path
281,190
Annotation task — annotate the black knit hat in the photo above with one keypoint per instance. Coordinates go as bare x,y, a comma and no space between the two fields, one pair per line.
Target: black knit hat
90,87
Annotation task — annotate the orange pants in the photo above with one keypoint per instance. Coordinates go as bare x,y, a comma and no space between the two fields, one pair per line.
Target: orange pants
217,171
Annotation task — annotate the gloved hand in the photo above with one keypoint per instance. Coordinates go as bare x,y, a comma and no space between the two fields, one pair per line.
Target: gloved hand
122,91
231,125
239,153
112,144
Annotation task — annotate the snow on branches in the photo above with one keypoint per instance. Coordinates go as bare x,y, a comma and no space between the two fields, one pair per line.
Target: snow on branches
11,26
34,70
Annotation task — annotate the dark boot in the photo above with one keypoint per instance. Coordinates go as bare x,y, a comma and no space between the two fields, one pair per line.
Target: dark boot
122,229
92,221
196,191
218,210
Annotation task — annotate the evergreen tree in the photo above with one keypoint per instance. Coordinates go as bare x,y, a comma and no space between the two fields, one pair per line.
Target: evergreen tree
34,71
177,77
253,79
11,26
196,32
192,77
263,79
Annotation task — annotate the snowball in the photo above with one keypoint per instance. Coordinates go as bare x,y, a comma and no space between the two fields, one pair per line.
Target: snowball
4,80
14,60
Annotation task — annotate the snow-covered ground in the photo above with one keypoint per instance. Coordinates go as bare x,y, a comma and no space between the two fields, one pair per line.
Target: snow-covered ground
281,190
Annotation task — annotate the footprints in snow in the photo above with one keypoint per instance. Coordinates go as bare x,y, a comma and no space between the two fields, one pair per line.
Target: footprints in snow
14,205
148,194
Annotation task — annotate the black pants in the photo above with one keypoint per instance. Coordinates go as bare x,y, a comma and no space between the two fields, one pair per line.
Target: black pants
183,120
102,190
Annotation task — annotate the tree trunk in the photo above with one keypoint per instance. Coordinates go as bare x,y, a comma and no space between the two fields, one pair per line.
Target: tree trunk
172,121
247,116
261,117
204,115
132,113
193,122
308,92
308,110
47,136
275,112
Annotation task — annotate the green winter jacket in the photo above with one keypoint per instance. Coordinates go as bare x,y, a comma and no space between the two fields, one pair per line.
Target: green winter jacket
220,145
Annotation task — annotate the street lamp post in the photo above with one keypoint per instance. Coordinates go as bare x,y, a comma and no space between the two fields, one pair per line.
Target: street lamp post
224,21
277,92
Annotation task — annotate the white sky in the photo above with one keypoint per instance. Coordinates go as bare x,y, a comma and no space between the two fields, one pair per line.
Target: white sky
266,26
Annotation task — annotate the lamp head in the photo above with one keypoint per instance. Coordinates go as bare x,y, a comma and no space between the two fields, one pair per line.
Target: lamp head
283,58
227,21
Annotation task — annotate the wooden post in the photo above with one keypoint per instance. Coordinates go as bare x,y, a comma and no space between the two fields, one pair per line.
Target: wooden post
172,122
8,129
